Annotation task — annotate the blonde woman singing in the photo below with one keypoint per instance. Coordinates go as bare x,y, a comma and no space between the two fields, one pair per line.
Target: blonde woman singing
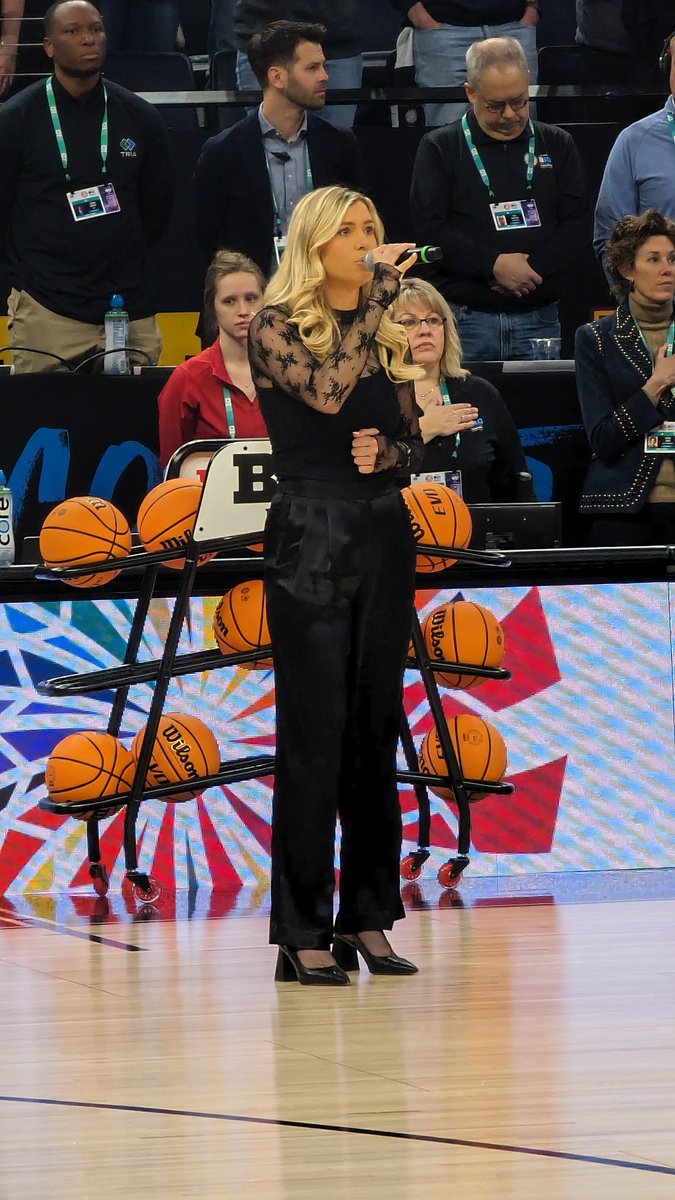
337,395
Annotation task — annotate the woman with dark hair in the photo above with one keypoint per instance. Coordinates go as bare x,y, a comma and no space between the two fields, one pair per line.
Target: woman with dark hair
626,384
213,395
337,394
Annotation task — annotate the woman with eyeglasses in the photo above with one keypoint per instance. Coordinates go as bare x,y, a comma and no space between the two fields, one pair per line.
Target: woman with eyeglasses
468,432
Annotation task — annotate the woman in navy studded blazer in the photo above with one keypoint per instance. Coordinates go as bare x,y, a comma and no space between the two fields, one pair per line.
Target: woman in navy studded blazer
625,372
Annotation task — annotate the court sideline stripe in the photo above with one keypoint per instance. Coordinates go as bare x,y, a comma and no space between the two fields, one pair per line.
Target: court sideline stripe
26,920
319,1126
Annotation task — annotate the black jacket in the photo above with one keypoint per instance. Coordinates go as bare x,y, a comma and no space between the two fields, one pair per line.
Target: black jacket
340,17
469,12
73,267
612,365
450,208
232,193
491,459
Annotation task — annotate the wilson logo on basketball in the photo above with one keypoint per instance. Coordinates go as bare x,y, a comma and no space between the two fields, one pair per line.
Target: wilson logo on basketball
175,543
180,749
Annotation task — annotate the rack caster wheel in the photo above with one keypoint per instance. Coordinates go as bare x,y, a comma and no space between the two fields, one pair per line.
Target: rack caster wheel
99,878
148,895
450,873
145,889
410,869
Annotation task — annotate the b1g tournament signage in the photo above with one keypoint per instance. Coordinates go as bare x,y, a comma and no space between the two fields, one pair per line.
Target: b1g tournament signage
238,484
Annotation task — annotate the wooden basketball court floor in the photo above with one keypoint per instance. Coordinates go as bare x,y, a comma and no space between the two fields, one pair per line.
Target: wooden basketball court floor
151,1053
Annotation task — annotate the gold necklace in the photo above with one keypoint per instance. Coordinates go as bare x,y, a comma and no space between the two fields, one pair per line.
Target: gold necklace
429,392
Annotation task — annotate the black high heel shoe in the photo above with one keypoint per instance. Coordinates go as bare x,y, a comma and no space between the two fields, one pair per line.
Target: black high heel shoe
345,954
290,968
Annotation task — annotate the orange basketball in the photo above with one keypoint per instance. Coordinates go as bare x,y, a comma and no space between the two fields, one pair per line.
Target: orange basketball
89,766
83,530
240,622
463,632
184,749
479,747
439,517
167,516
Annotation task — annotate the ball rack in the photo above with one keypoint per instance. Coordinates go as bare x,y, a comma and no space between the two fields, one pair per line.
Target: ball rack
208,537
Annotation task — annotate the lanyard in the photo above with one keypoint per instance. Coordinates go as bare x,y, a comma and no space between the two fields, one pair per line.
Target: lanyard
229,412
447,399
480,166
671,122
670,342
309,180
58,132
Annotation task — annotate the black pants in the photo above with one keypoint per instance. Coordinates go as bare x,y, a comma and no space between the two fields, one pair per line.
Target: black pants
653,525
340,590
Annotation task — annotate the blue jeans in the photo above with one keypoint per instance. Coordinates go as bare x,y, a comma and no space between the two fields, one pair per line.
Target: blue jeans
343,73
495,337
221,35
140,24
440,59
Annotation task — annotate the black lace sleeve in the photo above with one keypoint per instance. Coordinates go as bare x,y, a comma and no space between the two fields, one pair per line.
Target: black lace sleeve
406,450
279,356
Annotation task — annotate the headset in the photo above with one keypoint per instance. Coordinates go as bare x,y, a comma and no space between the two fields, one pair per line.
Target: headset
666,57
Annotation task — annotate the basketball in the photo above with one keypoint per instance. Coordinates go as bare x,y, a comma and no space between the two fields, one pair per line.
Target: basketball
167,517
184,749
84,530
439,517
463,632
240,622
479,747
89,766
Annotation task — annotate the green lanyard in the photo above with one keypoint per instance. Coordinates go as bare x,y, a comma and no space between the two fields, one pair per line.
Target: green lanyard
670,341
309,179
447,399
480,166
671,122
229,412
58,132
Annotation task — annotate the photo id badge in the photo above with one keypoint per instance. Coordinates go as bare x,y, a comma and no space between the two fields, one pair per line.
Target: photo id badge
279,247
515,214
451,479
661,440
92,202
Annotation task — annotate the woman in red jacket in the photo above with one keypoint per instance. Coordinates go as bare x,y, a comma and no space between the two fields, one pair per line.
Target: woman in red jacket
213,395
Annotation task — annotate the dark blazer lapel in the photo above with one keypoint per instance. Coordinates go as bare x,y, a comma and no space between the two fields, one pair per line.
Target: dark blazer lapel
321,161
255,165
630,343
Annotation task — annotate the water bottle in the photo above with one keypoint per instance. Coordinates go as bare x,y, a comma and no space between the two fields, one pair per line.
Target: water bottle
116,361
6,526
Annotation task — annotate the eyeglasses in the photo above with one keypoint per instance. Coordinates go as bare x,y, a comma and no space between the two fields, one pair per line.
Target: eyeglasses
498,107
432,322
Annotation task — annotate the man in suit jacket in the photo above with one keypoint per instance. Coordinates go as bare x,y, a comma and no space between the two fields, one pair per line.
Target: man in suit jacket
250,177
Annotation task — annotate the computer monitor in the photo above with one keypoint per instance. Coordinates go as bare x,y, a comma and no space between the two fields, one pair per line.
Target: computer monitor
528,526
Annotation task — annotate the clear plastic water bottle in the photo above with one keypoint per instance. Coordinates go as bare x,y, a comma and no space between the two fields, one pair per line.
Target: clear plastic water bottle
116,361
6,523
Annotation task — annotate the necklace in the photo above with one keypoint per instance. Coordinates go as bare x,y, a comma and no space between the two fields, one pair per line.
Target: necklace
429,392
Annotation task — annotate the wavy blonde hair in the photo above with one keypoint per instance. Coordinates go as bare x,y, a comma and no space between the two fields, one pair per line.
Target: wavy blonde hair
298,285
418,291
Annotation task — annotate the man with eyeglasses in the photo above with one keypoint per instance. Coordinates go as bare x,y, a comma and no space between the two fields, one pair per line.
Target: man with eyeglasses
506,199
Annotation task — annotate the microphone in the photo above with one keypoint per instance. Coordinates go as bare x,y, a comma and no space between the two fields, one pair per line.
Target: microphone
426,254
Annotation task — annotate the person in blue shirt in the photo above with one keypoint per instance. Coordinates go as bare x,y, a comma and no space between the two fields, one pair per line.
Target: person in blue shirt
640,170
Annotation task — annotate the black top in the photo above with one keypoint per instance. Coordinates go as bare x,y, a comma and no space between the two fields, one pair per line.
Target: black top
450,207
73,267
491,459
232,192
469,12
342,21
312,408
